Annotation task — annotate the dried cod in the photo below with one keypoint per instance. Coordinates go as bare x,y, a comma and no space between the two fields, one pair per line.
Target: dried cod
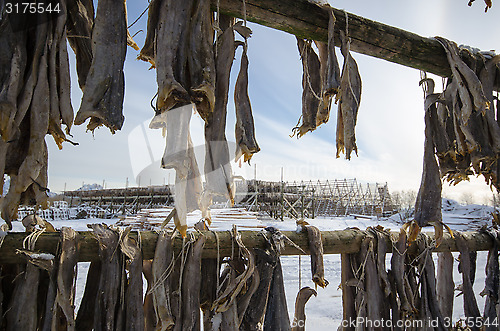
349,99
102,99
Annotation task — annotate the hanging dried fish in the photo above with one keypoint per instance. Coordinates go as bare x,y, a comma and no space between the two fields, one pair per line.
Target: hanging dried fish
429,309
299,319
265,262
30,167
217,164
311,88
191,282
445,286
316,248
349,99
79,25
171,61
148,51
64,316
148,307
102,99
201,59
13,60
107,303
162,262
244,131
179,155
491,287
471,309
428,203
276,311
134,319
22,313
330,71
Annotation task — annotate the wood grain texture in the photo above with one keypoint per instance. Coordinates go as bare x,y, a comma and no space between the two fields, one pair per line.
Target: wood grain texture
334,242
310,21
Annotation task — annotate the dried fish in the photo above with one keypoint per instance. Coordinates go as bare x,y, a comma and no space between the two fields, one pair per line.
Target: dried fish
13,61
444,284
102,99
191,282
108,294
244,131
428,204
265,262
148,51
376,309
217,164
330,72
179,155
148,308
79,25
470,304
35,159
162,263
201,59
21,313
66,281
429,307
311,88
349,99
300,304
133,293
210,270
469,87
332,82
316,248
171,53
491,287
276,317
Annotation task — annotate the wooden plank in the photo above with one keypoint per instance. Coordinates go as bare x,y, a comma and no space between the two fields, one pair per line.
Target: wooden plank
334,242
310,21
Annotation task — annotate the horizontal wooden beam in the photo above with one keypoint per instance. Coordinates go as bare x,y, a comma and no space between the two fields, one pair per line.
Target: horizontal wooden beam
334,242
310,21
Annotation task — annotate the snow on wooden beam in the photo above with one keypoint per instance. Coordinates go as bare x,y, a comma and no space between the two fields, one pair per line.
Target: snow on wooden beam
309,21
334,242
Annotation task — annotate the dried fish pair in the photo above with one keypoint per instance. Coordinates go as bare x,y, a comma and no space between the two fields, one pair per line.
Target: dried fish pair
365,281
113,297
175,285
320,80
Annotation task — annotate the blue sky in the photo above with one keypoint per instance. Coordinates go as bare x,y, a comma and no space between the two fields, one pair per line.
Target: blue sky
390,121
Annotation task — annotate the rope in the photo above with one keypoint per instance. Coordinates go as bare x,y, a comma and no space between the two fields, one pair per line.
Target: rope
306,71
31,239
138,18
218,257
300,272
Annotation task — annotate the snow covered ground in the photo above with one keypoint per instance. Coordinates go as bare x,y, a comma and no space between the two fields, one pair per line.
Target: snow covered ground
323,312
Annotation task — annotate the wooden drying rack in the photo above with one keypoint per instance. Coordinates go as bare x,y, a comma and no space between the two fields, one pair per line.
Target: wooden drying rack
334,242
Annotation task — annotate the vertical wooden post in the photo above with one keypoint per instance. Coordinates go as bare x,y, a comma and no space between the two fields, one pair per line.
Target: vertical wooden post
348,295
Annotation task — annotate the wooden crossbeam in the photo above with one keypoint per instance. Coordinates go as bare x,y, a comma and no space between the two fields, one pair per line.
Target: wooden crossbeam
334,242
309,21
